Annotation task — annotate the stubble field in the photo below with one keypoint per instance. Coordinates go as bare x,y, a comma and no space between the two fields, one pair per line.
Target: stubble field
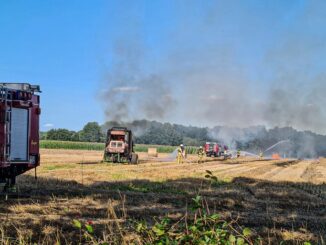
278,199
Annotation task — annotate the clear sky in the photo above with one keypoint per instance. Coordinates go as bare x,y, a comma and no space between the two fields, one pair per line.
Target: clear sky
77,49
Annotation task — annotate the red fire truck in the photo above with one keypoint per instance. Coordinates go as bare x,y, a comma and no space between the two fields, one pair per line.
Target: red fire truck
19,130
213,149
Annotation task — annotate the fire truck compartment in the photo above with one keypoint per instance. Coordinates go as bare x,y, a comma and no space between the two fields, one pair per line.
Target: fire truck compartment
19,135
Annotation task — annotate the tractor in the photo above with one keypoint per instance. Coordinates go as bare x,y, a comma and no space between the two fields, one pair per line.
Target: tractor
119,147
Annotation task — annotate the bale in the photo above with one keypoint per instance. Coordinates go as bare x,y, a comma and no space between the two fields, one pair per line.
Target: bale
152,152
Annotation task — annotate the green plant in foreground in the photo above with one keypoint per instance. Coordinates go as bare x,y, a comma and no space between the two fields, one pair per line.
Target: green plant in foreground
200,227
213,179
85,230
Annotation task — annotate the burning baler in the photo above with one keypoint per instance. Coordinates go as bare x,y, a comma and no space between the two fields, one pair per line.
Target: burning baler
119,146
19,130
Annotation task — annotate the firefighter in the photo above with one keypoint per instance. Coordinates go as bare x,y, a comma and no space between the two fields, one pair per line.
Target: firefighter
226,155
238,153
184,152
200,154
180,154
261,155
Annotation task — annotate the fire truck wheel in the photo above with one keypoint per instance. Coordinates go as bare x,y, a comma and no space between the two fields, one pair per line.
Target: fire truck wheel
134,158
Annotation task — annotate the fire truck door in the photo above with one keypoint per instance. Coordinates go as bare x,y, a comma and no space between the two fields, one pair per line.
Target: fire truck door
19,135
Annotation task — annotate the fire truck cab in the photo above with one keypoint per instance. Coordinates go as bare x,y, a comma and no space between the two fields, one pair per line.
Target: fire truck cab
19,130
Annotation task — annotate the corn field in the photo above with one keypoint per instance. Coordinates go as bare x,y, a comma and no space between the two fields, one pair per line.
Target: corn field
71,145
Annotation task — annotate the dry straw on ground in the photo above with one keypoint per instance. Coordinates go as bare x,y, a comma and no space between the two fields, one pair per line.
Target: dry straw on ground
280,199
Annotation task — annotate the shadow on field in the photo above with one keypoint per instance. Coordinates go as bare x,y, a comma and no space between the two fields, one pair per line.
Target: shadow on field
268,207
287,163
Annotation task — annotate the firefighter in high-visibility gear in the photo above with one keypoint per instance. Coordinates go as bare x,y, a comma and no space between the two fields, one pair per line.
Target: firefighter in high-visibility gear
261,155
180,153
184,152
200,154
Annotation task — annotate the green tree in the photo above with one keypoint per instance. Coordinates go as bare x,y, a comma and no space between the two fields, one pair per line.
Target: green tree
91,133
60,134
161,134
43,135
75,137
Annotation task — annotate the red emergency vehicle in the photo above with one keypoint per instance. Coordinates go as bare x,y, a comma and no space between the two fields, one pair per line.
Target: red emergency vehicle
213,149
19,130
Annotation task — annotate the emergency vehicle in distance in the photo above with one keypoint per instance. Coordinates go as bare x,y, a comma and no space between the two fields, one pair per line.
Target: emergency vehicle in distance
213,149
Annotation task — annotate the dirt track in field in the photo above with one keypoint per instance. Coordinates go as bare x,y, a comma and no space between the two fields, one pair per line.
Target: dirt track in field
280,199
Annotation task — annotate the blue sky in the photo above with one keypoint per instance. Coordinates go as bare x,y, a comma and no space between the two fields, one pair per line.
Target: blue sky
73,50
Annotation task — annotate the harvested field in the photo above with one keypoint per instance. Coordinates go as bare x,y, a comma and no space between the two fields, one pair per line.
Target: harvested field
279,199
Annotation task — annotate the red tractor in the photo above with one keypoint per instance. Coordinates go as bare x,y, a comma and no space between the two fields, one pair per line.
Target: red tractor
119,146
19,130
213,149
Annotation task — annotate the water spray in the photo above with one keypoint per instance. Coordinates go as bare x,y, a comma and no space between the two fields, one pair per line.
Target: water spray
278,143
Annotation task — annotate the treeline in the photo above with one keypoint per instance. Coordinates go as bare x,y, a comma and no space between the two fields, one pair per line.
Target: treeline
92,132
152,132
295,143
285,141
145,132
253,139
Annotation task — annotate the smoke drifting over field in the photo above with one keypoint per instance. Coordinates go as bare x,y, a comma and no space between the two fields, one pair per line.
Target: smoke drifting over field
285,141
201,77
129,93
